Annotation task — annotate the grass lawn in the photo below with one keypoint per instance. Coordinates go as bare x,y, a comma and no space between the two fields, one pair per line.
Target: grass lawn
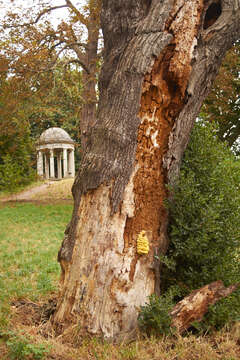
30,238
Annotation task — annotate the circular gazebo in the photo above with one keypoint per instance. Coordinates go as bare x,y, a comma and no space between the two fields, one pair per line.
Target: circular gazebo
55,154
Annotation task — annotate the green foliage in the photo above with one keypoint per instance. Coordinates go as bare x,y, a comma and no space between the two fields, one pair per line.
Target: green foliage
169,263
154,318
21,348
56,101
14,173
9,174
223,312
223,103
15,141
205,221
28,106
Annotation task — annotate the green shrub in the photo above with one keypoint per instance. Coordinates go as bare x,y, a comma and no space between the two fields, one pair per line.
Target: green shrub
15,173
154,318
205,222
223,312
16,150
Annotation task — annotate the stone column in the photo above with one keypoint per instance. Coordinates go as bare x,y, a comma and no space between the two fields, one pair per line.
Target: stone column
59,163
46,166
71,164
65,163
40,163
52,170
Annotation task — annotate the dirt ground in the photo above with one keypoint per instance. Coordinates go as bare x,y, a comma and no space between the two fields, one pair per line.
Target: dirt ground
49,191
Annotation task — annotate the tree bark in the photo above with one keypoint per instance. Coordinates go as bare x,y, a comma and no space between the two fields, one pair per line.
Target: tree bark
160,59
89,80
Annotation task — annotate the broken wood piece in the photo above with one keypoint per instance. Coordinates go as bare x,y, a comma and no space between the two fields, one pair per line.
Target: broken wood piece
194,306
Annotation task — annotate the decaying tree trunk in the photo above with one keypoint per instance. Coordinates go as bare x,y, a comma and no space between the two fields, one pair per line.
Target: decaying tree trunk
194,306
160,59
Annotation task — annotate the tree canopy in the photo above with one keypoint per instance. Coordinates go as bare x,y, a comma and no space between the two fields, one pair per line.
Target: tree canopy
223,103
28,106
33,44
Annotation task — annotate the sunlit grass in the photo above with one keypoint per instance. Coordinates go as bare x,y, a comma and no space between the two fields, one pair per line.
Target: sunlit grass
30,238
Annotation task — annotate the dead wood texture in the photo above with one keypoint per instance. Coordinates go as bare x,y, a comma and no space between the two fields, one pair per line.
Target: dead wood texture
194,306
160,59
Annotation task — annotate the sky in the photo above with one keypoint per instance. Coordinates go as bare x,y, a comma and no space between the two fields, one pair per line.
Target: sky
56,16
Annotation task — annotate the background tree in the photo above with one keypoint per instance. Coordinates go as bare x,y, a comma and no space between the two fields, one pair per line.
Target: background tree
160,59
37,46
15,141
55,100
223,103
30,103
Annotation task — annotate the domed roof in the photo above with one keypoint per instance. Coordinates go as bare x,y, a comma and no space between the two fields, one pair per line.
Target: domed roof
55,135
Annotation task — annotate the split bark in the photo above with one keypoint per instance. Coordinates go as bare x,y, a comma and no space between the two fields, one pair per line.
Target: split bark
160,60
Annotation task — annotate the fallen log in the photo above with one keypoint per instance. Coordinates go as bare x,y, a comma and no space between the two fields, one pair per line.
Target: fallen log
194,306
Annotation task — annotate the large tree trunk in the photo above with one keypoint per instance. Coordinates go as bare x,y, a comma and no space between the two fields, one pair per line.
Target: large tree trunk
161,57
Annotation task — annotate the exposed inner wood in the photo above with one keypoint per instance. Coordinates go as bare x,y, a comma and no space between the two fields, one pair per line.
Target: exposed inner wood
163,97
96,290
194,306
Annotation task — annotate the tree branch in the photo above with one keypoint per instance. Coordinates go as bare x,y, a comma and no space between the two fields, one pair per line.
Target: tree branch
80,55
45,11
68,45
194,306
77,12
77,61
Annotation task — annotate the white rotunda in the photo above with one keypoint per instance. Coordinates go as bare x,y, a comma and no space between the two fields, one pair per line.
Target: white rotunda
55,154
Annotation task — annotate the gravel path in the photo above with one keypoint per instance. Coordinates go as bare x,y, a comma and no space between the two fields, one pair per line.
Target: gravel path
28,194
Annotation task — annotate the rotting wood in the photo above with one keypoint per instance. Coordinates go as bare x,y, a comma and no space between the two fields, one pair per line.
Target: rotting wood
194,306
163,97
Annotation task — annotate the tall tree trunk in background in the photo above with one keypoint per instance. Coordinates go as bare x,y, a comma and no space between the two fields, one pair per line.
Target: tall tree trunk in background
160,59
89,80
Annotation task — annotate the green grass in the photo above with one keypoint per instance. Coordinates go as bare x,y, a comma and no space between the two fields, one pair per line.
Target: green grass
30,238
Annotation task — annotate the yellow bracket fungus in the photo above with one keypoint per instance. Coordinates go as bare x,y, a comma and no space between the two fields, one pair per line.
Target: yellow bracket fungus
142,243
